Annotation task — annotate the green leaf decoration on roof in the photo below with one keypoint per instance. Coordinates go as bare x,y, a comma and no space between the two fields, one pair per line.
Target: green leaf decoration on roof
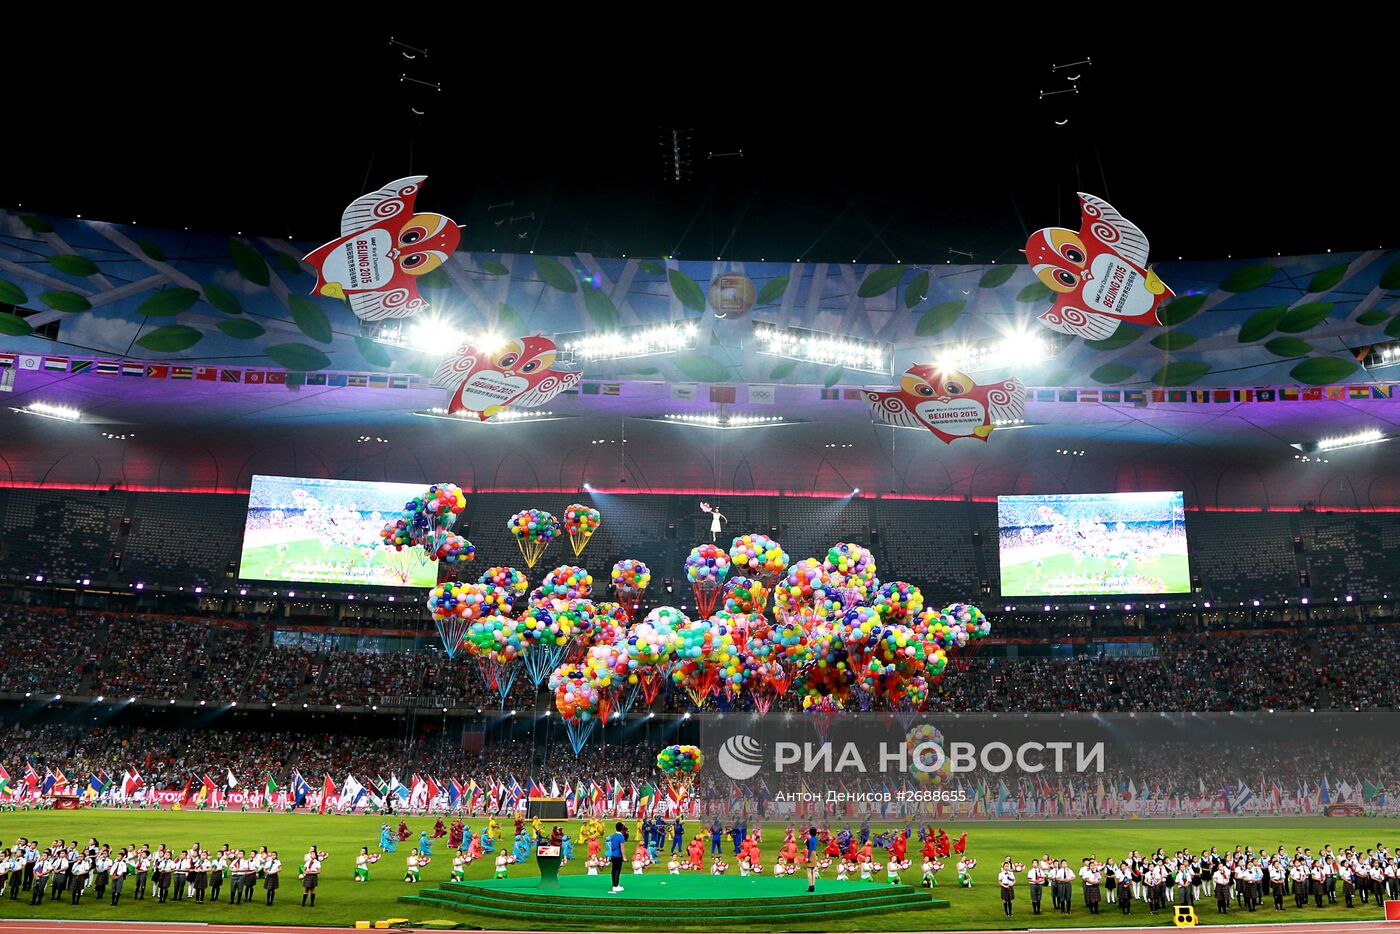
169,339
243,329
297,357
222,299
773,290
65,301
1112,373
1175,312
686,290
1261,324
1248,278
71,265
939,318
997,275
879,281
1180,373
917,289
1303,317
167,302
1328,278
1322,371
554,275
1288,347
309,318
12,325
249,263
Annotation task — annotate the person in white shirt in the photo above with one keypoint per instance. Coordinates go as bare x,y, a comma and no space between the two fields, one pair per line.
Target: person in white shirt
1006,880
237,868
250,878
217,867
272,875
1185,891
143,870
362,865
82,866
1091,878
102,872
310,876
1035,879
120,867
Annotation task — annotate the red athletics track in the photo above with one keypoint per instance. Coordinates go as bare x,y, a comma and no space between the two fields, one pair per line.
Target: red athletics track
47,926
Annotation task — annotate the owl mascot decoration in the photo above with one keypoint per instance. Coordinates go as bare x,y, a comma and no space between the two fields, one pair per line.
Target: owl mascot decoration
1100,274
382,249
518,372
948,403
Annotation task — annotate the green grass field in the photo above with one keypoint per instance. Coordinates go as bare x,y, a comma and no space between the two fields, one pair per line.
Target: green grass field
1023,579
342,901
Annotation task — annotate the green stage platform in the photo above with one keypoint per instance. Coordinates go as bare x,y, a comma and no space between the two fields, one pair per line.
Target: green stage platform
583,902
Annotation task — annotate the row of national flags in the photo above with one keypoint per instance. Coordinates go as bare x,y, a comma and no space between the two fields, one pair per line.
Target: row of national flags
208,373
1219,396
758,393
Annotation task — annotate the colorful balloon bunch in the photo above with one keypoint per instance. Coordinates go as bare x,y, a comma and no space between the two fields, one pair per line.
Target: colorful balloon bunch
743,595
574,697
546,627
567,582
704,650
680,760
495,637
396,534
630,578
898,601
706,567
805,585
759,557
851,567
534,531
581,522
460,599
453,551
513,584
444,499
929,766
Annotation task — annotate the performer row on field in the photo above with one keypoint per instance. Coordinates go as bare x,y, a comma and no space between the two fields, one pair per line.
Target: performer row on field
65,870
1241,878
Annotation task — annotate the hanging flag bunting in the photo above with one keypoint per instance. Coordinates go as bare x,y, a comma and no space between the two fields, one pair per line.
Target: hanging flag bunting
382,249
948,403
1100,275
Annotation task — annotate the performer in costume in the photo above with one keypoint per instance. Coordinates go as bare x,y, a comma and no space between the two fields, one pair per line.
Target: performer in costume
362,865
387,842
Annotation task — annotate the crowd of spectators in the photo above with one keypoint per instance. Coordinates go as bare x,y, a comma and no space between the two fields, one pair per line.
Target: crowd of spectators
159,658
1363,674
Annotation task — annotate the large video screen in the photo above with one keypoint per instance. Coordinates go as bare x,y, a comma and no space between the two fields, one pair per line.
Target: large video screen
1092,544
327,532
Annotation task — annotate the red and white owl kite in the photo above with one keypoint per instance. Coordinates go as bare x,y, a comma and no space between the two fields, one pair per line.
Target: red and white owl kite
948,403
518,372
382,249
1100,274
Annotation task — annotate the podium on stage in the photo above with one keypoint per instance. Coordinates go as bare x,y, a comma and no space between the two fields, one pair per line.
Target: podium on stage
548,859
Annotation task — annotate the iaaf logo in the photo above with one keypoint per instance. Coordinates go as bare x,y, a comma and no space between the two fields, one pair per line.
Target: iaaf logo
741,757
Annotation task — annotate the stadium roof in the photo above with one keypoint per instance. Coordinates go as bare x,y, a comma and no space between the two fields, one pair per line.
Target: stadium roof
887,210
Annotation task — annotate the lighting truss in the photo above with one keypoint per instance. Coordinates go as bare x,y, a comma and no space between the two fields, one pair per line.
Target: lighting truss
1354,440
807,346
1020,350
61,413
644,341
724,421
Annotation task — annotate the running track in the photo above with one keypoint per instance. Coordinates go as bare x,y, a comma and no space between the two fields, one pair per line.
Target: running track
143,927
